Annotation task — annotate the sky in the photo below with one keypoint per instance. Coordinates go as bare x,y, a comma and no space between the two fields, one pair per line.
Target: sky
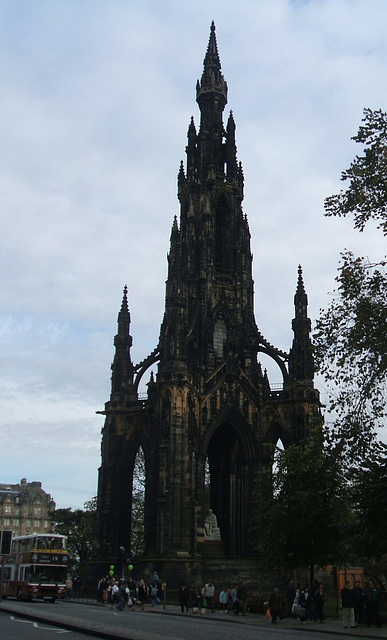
97,96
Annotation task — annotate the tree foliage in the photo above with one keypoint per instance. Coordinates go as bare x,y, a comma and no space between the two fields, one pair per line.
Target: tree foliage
350,339
351,351
78,526
302,507
370,499
366,195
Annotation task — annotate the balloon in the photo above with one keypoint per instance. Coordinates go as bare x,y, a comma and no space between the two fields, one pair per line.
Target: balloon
130,567
111,567
111,573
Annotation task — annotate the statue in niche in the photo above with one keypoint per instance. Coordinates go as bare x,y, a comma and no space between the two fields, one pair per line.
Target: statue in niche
211,529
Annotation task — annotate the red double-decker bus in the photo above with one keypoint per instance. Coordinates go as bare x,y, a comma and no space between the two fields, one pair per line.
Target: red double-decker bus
36,568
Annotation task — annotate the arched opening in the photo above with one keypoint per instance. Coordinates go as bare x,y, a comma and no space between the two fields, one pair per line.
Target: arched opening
277,453
138,505
274,373
207,486
227,488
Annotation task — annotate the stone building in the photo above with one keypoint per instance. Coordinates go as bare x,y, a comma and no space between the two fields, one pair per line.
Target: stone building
210,416
25,508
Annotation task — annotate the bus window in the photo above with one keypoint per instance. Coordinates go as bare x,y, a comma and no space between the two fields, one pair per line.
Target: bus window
41,543
47,575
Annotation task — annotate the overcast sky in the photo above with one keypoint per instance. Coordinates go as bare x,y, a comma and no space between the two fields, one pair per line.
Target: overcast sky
96,101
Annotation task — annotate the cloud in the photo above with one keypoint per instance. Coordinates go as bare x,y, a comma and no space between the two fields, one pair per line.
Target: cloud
96,101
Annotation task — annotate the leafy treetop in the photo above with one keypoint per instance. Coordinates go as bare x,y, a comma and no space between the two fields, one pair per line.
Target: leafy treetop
366,196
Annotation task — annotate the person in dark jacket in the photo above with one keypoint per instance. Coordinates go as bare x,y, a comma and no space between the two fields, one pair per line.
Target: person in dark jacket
347,601
290,594
318,603
142,593
359,595
275,605
372,601
304,601
183,597
242,597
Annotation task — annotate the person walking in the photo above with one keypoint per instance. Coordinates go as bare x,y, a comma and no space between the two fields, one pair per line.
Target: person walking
318,602
69,588
183,597
359,597
290,595
223,600
275,604
142,593
242,597
120,597
208,593
372,600
347,601
303,602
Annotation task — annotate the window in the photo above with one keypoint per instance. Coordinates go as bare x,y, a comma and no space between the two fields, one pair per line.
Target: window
37,523
7,508
7,522
220,337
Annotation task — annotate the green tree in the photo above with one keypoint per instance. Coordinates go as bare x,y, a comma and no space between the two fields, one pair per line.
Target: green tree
302,508
351,353
366,195
370,499
350,338
78,526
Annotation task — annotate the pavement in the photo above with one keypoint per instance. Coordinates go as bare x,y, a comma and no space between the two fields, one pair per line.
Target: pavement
330,625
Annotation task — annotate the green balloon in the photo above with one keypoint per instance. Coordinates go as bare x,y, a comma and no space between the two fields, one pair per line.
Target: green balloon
111,573
130,567
111,567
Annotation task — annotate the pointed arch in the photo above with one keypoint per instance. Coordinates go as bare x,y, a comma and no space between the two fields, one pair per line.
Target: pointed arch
125,488
232,455
275,432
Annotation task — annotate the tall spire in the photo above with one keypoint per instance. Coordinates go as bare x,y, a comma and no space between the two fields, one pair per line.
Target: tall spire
301,364
124,315
122,367
300,297
212,75
211,91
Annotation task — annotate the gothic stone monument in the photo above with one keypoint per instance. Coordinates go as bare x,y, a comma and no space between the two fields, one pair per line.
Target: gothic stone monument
210,409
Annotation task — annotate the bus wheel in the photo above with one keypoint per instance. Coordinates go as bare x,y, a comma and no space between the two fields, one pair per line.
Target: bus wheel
19,594
52,600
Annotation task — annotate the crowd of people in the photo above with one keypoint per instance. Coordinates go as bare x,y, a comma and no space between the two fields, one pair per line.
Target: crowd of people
305,602
128,593
359,606
131,593
232,599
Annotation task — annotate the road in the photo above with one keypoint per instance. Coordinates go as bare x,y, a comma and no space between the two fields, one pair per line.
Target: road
102,622
21,629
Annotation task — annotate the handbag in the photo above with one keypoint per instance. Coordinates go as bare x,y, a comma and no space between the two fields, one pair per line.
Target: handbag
299,611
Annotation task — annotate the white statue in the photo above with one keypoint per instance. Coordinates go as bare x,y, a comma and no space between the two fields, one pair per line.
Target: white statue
211,529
